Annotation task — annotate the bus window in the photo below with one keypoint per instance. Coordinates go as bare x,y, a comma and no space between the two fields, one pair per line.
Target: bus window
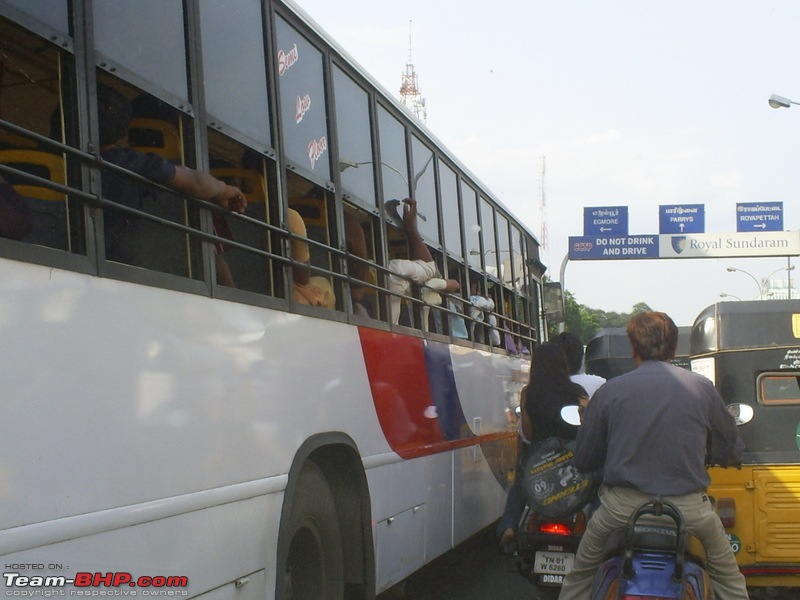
506,257
359,231
55,15
158,129
779,388
355,139
471,227
313,204
126,34
404,310
490,254
226,68
302,99
424,191
252,173
455,324
394,162
430,317
33,76
451,219
481,308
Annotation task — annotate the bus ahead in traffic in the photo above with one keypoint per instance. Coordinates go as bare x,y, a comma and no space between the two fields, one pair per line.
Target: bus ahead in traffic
184,414
751,351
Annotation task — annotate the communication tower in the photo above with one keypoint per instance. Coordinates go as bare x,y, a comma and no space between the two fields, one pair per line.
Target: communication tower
409,89
543,214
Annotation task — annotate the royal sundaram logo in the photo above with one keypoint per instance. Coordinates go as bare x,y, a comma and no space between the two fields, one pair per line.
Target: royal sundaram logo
679,243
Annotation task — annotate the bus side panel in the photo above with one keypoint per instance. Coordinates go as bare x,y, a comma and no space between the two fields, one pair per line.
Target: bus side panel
415,524
450,424
184,545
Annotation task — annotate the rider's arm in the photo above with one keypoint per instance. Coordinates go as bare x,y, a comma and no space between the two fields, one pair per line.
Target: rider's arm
725,446
590,451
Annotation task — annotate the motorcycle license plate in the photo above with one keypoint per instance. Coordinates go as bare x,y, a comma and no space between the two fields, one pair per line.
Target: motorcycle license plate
553,563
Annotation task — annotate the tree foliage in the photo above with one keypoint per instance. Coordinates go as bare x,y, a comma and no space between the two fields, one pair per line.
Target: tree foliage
585,322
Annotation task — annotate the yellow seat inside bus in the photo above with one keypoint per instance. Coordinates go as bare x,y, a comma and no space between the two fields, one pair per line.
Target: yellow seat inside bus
9,139
41,164
250,182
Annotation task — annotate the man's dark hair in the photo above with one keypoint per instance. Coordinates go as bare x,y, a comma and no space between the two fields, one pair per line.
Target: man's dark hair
573,348
114,113
653,336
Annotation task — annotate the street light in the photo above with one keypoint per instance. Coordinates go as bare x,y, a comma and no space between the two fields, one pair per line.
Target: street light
735,270
729,296
788,270
776,101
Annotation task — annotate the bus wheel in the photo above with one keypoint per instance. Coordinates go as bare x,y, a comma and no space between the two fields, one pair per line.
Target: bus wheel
314,565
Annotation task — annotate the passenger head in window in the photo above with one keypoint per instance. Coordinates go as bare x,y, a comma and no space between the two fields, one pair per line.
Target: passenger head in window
122,243
114,115
307,289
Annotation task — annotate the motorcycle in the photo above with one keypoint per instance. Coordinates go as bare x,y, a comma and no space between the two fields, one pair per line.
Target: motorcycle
558,505
657,562
545,548
653,561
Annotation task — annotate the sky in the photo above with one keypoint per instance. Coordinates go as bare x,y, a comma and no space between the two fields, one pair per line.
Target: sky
633,103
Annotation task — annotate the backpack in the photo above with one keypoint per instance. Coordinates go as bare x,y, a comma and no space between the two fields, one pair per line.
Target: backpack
551,485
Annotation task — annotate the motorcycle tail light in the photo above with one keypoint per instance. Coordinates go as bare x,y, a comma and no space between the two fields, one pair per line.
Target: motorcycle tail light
555,528
726,511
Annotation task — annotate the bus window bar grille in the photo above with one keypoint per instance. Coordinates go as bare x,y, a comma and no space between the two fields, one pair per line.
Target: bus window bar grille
525,332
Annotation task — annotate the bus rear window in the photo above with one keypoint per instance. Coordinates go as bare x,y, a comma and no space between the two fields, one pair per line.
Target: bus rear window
779,388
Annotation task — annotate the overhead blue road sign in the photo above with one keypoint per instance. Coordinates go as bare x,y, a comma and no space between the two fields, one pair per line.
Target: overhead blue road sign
759,216
594,247
605,220
681,218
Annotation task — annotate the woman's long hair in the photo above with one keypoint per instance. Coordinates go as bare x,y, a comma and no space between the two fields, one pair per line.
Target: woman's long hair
549,390
549,373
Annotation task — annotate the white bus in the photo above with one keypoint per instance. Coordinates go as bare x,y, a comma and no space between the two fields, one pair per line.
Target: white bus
163,432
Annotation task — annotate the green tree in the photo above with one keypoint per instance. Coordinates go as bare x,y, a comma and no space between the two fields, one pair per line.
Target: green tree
579,320
585,322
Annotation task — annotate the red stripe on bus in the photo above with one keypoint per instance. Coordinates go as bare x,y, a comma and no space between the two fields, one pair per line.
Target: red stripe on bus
401,393
417,451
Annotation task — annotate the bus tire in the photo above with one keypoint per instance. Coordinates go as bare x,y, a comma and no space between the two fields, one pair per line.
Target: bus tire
314,562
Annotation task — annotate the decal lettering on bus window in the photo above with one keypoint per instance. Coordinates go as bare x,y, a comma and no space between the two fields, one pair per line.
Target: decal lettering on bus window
316,148
287,59
303,104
